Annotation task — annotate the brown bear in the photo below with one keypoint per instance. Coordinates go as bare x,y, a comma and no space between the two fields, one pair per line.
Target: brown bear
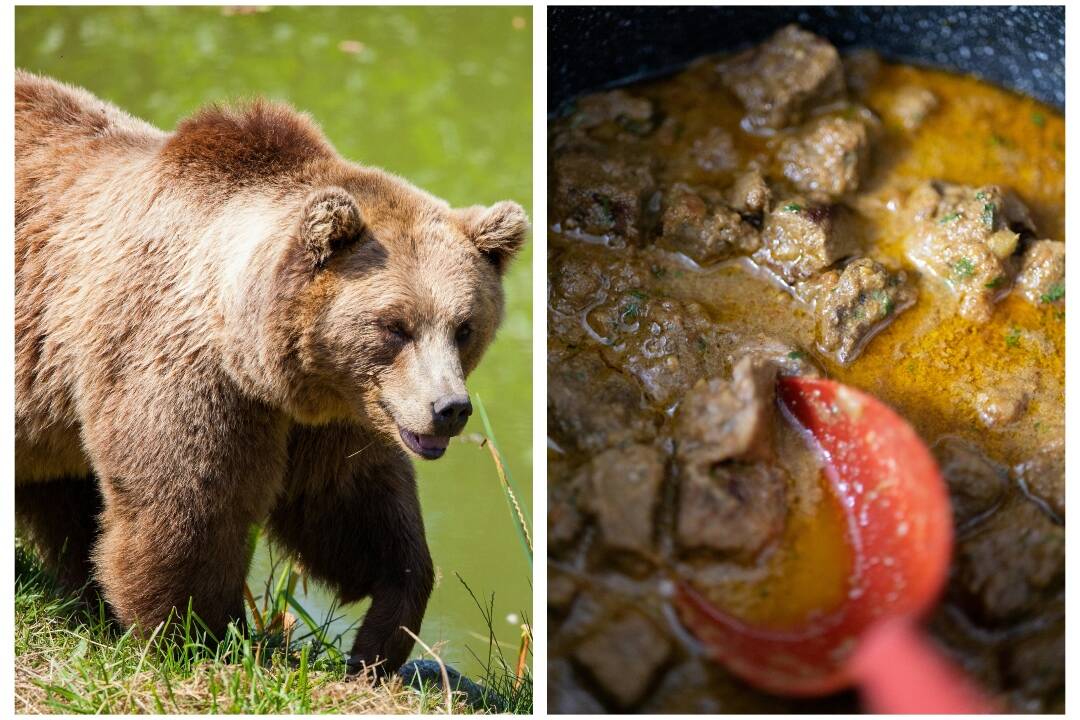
229,325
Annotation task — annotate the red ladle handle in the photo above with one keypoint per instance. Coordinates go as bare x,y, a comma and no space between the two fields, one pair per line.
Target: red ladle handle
900,671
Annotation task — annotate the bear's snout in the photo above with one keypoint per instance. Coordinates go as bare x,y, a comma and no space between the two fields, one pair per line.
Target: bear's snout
451,412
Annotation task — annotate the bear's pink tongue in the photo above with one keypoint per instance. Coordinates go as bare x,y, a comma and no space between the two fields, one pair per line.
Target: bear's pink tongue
430,447
433,442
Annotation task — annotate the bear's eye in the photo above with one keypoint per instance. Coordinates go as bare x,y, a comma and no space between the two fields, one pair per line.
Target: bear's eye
397,331
463,333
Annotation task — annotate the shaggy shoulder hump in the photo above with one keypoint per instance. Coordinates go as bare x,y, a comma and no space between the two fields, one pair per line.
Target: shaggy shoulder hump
243,144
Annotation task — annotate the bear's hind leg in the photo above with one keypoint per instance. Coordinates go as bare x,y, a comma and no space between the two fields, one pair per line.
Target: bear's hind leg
60,520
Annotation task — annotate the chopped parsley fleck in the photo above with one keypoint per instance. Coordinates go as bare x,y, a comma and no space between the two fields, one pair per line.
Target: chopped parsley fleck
1055,293
639,294
792,207
1012,338
796,355
885,302
981,195
988,214
630,311
995,283
963,268
1038,118
949,218
605,209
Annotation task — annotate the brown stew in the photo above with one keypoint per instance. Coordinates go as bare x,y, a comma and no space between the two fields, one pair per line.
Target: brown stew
791,211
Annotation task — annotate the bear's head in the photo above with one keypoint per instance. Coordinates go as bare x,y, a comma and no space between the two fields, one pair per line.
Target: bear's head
349,294
390,298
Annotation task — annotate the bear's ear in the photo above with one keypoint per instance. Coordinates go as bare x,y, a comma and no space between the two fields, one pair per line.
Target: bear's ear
329,222
498,231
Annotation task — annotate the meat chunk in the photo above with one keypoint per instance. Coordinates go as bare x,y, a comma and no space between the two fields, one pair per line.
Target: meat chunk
623,494
976,484
624,656
1012,565
562,589
564,518
565,694
731,501
698,224
828,158
584,275
1042,273
788,359
750,194
800,240
602,194
729,419
854,304
779,81
734,509
1043,477
1036,665
1006,400
684,690
967,236
631,113
581,277
592,407
911,105
714,151
666,344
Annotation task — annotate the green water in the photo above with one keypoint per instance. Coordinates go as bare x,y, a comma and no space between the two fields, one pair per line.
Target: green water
441,96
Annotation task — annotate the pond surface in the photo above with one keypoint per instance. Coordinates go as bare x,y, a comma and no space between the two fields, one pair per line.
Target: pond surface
441,96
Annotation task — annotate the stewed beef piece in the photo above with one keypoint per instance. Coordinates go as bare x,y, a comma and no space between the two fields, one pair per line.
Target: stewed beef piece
799,239
968,237
1042,273
698,223
731,497
854,303
785,77
828,158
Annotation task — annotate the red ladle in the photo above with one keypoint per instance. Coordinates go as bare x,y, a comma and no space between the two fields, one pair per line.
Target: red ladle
899,527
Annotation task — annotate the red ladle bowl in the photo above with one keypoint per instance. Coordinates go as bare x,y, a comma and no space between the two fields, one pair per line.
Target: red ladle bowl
899,528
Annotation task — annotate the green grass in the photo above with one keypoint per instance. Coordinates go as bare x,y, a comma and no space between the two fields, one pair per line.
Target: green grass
509,679
70,658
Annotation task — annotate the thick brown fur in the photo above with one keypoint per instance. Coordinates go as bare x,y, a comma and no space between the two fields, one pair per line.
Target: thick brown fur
228,325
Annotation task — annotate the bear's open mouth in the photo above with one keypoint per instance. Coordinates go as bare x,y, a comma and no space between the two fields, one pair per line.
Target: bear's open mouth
429,447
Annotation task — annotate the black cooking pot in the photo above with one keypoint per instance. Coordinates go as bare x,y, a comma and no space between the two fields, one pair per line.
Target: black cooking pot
1022,48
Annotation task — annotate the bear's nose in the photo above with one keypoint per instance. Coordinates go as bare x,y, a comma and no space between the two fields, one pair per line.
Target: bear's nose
451,412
